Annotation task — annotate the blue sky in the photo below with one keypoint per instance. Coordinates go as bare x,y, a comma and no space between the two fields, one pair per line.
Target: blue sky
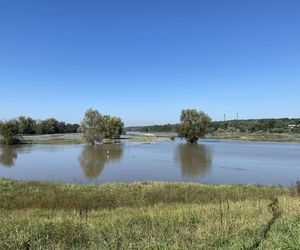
147,60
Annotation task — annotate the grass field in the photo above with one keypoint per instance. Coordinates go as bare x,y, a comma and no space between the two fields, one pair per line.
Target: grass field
37,215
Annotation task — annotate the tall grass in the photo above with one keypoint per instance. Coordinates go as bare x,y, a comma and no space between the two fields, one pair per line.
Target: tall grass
38,215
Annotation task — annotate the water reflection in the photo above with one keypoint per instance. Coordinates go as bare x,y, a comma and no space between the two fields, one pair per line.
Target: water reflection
195,159
93,158
8,156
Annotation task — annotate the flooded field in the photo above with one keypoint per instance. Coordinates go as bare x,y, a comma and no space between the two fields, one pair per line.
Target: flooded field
213,162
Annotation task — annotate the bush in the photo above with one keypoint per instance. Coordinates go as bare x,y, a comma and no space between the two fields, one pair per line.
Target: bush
9,131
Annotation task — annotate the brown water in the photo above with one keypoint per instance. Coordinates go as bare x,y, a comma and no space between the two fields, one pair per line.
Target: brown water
214,162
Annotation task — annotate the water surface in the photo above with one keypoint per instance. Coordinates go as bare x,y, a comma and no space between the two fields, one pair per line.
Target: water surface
213,162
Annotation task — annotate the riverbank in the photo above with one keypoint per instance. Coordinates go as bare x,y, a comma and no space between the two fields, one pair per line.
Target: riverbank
151,137
140,215
258,137
76,139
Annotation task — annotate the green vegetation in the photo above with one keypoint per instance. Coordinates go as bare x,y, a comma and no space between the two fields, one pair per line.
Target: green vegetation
38,215
258,125
259,137
29,126
8,132
113,127
251,126
11,131
193,125
96,127
167,128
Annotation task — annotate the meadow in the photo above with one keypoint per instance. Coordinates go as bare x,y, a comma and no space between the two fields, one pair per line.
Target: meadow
141,215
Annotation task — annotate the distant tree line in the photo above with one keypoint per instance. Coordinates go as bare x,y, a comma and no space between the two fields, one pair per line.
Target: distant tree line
28,126
153,128
193,126
96,127
259,125
251,126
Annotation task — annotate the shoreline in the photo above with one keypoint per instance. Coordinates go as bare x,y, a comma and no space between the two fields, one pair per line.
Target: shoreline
157,138
57,139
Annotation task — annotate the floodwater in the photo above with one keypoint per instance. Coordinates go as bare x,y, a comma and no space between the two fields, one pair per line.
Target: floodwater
211,162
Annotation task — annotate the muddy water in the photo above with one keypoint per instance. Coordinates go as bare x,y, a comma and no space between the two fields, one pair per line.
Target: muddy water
214,162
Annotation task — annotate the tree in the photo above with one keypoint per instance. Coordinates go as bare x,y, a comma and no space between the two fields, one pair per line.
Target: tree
193,125
93,127
51,126
113,126
27,125
9,131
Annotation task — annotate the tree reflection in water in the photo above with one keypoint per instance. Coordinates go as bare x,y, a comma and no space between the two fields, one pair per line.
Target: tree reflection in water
8,154
94,158
195,159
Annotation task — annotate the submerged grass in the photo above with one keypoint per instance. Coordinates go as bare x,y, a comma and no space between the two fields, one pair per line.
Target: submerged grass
147,138
42,215
50,142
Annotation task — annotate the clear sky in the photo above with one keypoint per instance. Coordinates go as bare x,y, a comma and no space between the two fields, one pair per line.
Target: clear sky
145,60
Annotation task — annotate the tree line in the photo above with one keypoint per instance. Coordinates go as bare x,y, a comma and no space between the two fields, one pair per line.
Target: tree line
250,126
259,125
28,126
153,128
94,127
10,131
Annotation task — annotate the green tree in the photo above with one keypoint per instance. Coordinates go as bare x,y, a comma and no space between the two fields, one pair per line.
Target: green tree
193,125
27,125
113,126
8,132
92,127
48,126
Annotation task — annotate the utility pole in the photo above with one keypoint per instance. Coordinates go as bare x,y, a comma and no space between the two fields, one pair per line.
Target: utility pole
237,116
224,117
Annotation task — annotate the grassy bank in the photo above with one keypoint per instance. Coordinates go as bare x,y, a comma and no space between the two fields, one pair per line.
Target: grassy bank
149,139
38,215
263,137
253,139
